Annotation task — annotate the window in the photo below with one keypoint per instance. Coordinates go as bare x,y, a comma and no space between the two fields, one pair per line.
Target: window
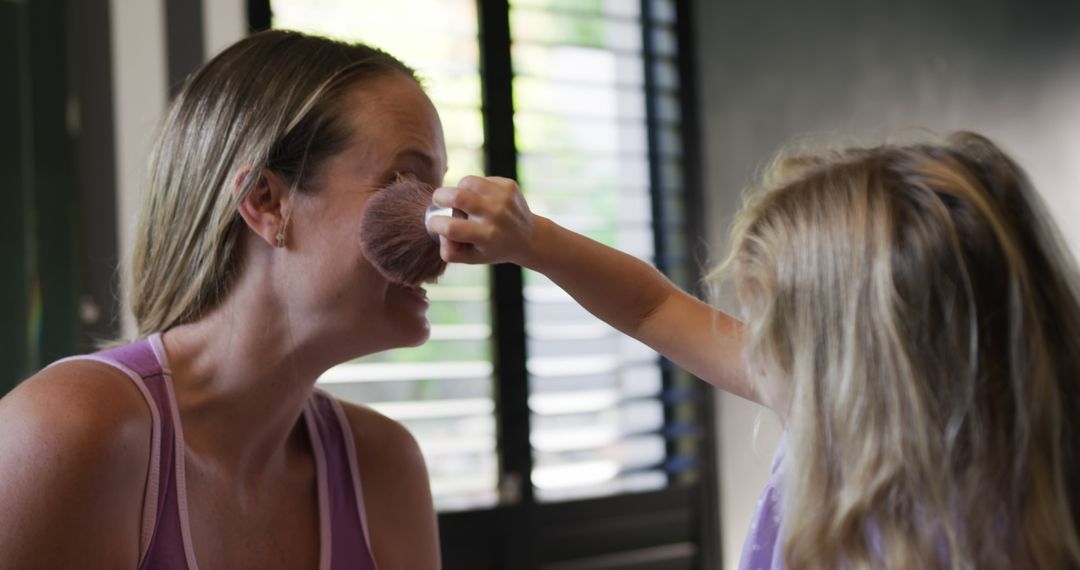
580,119
552,440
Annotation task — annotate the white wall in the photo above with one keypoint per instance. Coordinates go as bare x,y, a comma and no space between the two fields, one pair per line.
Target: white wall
774,70
224,22
139,96
140,92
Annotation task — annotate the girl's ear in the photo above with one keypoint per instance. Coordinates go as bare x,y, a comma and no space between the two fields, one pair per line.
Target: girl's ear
265,208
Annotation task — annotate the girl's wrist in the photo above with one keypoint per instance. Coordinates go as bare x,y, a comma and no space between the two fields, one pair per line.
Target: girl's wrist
539,244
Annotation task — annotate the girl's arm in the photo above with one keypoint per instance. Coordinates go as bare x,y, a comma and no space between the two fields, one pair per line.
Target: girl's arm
620,289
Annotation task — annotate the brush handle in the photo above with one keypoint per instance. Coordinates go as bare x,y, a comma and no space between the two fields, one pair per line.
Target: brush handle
436,210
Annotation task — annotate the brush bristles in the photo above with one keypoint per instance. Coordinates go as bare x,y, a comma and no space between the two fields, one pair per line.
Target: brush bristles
395,239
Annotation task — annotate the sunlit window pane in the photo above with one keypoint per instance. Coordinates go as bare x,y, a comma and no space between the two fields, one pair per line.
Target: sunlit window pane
579,64
580,118
532,23
441,391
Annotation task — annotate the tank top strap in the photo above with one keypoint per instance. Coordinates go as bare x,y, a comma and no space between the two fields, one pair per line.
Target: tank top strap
343,512
160,541
346,544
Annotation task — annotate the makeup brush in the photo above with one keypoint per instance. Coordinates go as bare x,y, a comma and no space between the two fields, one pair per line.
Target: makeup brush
395,236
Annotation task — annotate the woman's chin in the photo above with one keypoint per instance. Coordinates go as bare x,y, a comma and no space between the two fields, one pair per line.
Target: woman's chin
410,335
421,335
371,339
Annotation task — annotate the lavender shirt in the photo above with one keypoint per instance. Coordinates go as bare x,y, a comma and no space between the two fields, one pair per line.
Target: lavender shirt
761,551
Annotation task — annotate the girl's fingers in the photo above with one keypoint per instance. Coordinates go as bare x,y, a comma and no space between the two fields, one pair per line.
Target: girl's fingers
498,220
450,250
462,199
456,229
456,252
498,193
487,185
476,183
482,197
443,196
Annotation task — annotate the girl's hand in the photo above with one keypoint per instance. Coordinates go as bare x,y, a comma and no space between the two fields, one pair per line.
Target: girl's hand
500,227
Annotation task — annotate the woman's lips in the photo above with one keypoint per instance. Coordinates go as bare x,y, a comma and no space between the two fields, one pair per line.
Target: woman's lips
417,293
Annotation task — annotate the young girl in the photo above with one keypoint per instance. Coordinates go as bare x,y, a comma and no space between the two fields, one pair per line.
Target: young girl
913,318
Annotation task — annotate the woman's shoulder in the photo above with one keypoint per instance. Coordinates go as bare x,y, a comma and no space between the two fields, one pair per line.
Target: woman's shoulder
397,493
88,398
379,437
78,413
74,449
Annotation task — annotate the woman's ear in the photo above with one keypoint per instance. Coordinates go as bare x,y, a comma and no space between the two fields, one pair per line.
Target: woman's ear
265,208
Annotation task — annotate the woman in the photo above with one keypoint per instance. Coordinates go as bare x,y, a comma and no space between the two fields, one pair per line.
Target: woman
204,445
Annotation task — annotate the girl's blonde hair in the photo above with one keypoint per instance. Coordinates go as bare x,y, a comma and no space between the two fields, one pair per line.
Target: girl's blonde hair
922,312
272,101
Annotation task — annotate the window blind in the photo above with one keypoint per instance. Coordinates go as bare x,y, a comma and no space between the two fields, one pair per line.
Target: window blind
609,416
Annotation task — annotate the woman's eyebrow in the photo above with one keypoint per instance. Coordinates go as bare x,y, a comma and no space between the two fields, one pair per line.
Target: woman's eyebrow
417,154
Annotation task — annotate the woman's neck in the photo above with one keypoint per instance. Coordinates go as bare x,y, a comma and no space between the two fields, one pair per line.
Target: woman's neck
242,376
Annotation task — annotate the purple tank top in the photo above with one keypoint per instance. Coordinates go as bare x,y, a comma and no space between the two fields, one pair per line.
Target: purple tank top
165,540
761,551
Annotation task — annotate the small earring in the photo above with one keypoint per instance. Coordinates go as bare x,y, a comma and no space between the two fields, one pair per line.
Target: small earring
280,237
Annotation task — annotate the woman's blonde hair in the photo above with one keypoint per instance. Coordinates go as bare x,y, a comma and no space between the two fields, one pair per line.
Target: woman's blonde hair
274,101
922,312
